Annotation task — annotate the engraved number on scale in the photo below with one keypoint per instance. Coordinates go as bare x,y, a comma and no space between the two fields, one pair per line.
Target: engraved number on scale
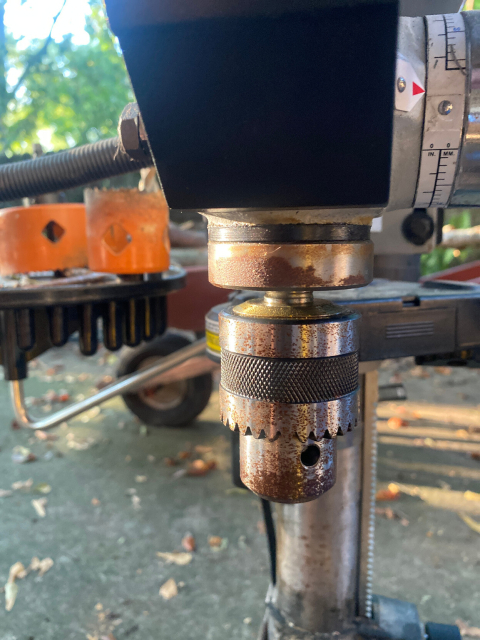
443,127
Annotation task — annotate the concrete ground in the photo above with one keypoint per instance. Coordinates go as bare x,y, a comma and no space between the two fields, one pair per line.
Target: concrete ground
114,503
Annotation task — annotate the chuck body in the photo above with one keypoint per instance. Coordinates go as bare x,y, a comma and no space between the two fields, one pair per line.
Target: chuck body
289,384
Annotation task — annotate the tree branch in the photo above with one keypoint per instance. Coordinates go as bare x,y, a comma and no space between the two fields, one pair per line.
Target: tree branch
36,57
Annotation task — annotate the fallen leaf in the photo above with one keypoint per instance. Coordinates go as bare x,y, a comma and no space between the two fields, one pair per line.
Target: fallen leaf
82,444
169,589
443,371
39,506
17,570
22,484
42,435
136,502
95,502
392,493
170,462
473,524
22,454
55,369
177,557
90,414
183,455
11,591
42,487
200,448
141,479
462,433
466,630
200,467
188,542
396,423
42,566
15,425
247,621
214,541
5,493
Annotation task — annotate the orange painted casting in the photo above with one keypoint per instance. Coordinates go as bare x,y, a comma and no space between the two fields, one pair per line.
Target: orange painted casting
127,231
43,237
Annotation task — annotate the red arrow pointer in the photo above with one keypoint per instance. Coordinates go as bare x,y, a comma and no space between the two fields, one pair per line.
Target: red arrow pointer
416,89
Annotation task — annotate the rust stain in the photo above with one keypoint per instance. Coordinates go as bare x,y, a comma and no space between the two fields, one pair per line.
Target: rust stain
275,471
315,266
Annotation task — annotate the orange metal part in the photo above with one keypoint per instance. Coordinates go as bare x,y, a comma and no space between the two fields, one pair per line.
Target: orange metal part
127,231
43,237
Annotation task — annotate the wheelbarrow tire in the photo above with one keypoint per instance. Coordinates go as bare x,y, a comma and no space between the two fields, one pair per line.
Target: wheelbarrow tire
174,405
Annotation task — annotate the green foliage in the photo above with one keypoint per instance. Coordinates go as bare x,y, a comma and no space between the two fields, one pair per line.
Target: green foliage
443,258
75,91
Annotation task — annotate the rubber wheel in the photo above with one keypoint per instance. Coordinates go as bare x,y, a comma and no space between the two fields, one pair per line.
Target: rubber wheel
172,405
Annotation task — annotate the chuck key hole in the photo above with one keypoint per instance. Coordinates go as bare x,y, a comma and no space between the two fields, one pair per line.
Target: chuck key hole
310,456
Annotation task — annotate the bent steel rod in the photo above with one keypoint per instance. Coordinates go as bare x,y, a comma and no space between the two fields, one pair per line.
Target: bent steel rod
125,384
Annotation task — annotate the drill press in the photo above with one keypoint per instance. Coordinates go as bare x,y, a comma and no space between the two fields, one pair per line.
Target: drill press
290,126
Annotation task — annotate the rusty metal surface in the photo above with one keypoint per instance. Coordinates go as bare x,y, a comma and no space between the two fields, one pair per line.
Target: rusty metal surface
259,266
369,481
289,389
300,340
300,421
273,470
317,551
290,380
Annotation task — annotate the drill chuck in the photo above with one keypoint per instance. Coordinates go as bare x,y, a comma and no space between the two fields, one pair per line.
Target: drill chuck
289,384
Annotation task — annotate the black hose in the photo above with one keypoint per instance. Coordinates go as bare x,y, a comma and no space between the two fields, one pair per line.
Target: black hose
65,170
271,538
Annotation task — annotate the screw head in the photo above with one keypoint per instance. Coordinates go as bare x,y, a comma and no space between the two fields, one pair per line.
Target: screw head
445,107
401,84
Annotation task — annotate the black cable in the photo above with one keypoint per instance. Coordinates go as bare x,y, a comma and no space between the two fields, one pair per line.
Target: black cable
65,170
271,538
